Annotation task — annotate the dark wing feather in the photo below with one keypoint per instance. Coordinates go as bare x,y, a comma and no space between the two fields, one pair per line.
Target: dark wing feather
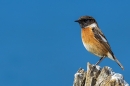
101,38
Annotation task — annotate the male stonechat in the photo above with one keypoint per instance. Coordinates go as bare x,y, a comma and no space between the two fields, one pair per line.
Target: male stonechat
94,40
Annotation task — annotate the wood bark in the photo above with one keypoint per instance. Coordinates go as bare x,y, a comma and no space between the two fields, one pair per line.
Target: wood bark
96,76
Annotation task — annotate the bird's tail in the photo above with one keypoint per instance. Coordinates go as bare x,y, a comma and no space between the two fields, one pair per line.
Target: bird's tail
112,56
118,62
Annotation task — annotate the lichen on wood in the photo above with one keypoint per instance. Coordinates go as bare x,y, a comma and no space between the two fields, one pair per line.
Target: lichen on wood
96,76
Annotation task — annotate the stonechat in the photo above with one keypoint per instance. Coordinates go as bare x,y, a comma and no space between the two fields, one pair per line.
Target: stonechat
94,40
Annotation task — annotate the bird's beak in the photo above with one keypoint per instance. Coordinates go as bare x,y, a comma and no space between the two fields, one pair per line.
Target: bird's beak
76,20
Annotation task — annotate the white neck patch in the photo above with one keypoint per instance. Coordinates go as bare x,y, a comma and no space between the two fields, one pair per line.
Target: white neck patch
92,25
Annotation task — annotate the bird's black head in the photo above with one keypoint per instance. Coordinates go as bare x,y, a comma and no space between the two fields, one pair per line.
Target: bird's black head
86,21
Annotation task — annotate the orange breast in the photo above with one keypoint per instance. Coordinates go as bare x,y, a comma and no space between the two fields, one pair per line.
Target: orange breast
91,43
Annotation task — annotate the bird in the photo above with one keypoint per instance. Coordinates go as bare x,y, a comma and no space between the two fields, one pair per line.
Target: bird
94,40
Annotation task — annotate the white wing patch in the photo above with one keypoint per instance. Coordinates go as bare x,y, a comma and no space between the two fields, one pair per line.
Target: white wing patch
103,38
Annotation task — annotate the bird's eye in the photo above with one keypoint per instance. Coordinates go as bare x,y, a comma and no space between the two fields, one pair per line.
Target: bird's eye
85,20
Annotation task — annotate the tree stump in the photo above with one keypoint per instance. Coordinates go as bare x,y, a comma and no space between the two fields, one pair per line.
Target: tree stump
96,76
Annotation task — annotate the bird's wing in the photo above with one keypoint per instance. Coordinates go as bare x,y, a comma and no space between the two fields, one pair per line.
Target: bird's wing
101,38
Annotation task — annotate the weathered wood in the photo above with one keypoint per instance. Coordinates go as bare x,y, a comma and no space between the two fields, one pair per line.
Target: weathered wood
96,76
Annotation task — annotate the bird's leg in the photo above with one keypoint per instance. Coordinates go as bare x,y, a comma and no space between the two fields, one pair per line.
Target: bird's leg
99,60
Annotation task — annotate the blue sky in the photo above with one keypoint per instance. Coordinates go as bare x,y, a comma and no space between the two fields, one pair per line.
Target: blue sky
40,44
